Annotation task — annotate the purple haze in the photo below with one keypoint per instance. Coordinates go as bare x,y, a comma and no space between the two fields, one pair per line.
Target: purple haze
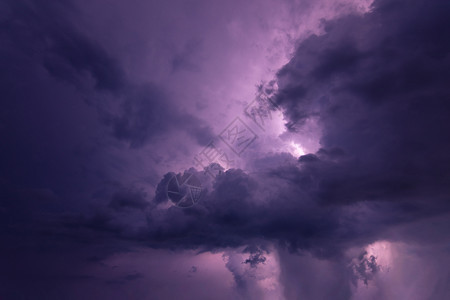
341,190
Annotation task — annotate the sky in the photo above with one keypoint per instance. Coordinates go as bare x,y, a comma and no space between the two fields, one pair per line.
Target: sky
205,149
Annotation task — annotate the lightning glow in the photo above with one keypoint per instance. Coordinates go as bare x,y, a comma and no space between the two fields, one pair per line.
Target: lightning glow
295,149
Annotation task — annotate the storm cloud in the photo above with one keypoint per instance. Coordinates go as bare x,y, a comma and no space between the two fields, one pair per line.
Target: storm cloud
89,148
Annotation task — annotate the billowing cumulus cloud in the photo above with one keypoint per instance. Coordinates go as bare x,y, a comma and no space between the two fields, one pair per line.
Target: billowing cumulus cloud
375,147
377,84
91,148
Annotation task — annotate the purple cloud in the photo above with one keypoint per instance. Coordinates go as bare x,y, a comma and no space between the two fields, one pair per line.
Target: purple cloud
99,113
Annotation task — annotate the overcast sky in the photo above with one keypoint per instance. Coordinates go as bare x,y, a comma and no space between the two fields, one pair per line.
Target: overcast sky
316,132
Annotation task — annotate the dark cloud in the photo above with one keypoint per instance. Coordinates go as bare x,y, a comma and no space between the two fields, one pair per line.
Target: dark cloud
308,158
388,150
377,84
44,31
193,269
365,267
70,55
137,114
145,113
128,198
256,256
